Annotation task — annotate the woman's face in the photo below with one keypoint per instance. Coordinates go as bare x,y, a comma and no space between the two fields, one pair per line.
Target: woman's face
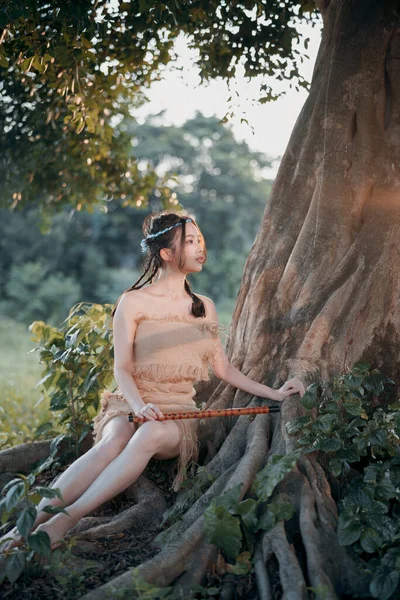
194,248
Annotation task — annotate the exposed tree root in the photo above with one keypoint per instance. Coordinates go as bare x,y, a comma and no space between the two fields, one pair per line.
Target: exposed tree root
316,543
262,577
232,448
147,512
228,588
20,459
329,565
290,573
200,564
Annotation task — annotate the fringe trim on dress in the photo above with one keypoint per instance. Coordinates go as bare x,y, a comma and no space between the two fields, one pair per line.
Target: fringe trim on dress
172,373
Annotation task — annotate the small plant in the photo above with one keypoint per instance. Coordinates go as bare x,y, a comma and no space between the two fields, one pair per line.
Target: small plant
233,525
21,496
78,358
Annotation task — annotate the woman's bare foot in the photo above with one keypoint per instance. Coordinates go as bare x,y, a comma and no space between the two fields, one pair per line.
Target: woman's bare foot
56,528
16,540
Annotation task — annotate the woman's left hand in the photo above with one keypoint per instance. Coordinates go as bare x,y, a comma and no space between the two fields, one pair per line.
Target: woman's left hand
292,386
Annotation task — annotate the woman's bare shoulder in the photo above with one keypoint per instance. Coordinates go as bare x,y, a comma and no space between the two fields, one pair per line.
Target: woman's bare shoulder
207,301
132,301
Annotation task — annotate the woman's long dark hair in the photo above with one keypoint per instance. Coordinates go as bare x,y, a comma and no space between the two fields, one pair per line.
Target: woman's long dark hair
152,261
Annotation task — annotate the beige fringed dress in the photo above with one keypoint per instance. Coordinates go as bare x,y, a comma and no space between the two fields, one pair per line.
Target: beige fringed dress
170,353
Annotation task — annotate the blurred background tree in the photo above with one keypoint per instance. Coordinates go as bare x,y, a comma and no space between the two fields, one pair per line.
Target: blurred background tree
93,257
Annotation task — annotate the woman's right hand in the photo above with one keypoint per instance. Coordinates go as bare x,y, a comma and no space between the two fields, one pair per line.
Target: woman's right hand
150,411
292,386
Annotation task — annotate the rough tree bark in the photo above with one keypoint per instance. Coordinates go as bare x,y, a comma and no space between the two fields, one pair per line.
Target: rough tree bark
319,292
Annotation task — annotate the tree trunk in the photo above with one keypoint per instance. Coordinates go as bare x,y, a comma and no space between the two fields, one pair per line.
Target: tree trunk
319,292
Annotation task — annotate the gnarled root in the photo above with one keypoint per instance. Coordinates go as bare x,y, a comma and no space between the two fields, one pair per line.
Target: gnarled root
262,576
200,564
147,512
20,459
329,565
290,573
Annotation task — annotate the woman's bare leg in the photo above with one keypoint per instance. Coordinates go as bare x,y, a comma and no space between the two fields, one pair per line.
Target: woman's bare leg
81,473
152,438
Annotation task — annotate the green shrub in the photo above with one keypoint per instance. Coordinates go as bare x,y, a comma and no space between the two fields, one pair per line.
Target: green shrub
353,424
78,358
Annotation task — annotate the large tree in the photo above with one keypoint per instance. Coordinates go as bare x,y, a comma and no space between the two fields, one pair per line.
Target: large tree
319,290
69,69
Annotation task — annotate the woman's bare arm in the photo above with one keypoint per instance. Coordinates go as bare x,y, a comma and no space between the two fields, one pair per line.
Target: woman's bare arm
227,372
124,328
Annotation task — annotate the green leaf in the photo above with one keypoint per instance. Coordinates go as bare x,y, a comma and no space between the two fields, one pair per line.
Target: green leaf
359,498
335,466
374,382
349,533
377,437
370,540
353,380
223,529
40,542
325,422
309,399
10,484
278,467
43,428
385,490
331,407
267,520
282,509
298,423
230,498
48,492
27,63
15,565
14,495
353,408
59,400
383,585
54,510
329,444
361,367
26,520
248,511
4,62
86,42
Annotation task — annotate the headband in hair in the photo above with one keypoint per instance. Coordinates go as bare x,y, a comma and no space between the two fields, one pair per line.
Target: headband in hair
153,235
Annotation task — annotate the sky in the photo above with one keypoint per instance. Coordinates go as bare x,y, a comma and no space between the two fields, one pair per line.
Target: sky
269,125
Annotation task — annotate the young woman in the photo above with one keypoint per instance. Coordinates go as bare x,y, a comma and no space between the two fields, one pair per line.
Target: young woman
165,338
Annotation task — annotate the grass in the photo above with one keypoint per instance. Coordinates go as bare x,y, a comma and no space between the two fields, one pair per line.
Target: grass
20,413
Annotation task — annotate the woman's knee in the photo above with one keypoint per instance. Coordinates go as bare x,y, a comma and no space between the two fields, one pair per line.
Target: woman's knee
111,446
151,435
